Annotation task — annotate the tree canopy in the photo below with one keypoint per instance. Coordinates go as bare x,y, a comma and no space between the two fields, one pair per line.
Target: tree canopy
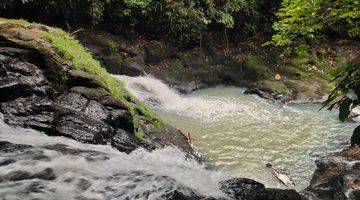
302,21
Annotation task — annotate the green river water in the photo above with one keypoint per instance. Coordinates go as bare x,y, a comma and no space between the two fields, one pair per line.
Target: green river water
239,133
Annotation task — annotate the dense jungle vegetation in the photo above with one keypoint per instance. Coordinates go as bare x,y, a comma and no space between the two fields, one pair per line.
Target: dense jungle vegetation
290,21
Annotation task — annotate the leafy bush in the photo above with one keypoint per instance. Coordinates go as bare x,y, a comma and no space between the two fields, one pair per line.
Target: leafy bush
346,95
303,21
183,21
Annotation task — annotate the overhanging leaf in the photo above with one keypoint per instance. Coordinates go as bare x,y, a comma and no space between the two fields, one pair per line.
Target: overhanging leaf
344,109
355,138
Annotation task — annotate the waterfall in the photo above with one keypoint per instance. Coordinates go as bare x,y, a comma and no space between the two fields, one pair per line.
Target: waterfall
61,168
206,108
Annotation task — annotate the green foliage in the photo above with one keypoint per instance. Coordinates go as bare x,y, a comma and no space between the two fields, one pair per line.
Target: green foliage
346,95
92,10
113,47
183,21
301,21
254,68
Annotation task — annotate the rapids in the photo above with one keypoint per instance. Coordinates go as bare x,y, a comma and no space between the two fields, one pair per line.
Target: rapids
240,133
61,168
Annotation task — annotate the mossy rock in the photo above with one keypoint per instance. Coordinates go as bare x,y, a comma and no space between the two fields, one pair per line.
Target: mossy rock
254,69
276,86
82,74
156,51
79,77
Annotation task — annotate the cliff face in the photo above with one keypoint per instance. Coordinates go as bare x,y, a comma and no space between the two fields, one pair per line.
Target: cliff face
48,82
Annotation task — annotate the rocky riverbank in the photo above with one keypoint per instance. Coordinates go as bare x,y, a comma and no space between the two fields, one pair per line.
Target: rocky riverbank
41,88
264,71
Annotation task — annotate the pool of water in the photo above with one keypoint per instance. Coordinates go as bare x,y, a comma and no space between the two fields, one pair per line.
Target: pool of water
240,133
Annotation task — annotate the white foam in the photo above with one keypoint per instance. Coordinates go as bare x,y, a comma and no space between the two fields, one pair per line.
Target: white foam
179,172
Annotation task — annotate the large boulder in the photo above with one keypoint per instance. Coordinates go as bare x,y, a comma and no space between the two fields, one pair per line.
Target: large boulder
337,177
43,89
244,189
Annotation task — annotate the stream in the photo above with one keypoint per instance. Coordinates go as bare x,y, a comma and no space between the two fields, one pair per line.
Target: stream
239,133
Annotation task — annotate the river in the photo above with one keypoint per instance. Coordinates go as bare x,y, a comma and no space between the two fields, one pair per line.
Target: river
239,133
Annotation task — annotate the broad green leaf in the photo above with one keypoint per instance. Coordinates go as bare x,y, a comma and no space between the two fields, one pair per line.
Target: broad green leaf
344,109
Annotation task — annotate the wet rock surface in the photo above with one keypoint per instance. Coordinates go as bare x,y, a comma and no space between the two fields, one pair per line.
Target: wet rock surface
337,176
247,189
242,188
39,93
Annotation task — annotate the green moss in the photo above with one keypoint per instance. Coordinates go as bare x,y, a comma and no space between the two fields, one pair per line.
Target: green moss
82,61
276,86
139,134
70,49
143,109
113,47
114,51
15,21
255,68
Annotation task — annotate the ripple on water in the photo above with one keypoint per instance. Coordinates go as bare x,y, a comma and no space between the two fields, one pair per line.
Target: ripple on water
240,133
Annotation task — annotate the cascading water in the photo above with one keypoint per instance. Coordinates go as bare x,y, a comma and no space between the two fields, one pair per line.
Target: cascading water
241,133
46,167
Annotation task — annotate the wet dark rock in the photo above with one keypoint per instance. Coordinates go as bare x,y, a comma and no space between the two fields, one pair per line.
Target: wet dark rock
21,79
83,184
95,110
111,102
177,195
96,94
244,189
88,154
131,67
35,187
6,147
7,162
124,141
41,157
12,88
283,194
27,106
80,78
335,175
82,128
355,194
46,174
72,101
15,176
265,93
121,119
34,112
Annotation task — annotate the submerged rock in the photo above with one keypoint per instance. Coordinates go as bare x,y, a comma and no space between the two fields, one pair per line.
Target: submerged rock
6,147
265,93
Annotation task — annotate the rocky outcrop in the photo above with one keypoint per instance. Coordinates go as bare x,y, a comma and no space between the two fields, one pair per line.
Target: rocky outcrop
43,91
247,189
337,176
